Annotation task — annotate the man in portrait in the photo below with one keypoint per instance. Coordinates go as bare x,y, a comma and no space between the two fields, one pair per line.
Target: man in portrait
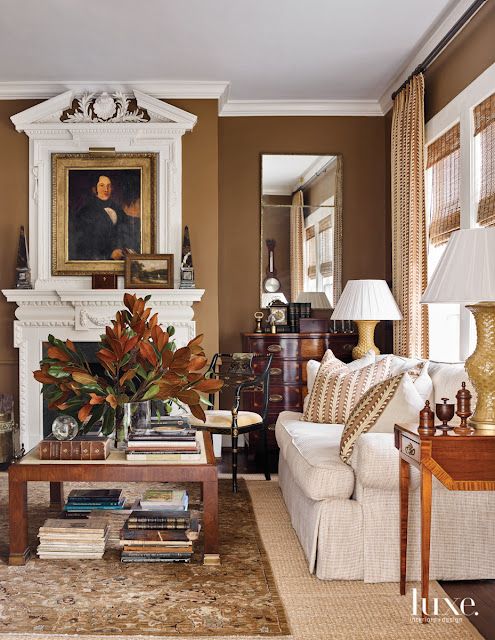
101,229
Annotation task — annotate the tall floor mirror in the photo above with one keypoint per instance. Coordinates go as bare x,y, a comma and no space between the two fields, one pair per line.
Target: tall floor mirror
301,228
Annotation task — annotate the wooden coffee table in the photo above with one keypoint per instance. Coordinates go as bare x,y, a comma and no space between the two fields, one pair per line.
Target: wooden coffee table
114,469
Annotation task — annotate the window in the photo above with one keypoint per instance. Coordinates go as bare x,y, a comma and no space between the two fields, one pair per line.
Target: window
484,138
318,253
460,194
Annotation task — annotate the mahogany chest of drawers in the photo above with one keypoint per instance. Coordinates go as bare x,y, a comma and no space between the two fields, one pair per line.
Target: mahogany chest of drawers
290,351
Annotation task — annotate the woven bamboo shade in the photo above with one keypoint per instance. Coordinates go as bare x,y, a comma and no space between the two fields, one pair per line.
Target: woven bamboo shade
311,252
484,127
326,248
443,157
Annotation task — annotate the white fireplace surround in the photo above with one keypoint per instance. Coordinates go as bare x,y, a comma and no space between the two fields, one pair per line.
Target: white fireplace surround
66,306
79,315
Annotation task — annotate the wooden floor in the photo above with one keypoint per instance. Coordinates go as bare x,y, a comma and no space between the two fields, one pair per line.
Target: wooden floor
481,591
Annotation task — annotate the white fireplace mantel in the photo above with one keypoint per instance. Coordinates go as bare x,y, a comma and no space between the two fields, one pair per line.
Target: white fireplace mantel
81,316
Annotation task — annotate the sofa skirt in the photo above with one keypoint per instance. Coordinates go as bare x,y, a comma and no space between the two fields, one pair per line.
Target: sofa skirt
330,531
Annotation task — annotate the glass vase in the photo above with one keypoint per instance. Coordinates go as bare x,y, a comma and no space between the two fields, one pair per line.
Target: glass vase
137,416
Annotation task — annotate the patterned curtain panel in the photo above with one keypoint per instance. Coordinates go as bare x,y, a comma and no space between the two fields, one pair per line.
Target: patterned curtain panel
443,157
409,219
337,233
296,246
484,127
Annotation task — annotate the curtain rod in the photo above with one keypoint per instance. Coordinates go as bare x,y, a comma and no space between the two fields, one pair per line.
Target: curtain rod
450,35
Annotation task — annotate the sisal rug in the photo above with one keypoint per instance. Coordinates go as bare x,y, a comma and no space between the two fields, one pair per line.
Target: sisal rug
105,598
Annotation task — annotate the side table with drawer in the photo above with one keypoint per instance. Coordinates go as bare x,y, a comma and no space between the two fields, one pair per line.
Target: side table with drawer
290,351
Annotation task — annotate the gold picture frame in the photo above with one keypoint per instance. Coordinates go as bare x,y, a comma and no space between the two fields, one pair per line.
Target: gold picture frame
103,207
152,271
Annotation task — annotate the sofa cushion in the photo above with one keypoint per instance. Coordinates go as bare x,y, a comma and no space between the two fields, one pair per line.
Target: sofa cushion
376,463
313,366
400,364
336,392
394,400
311,452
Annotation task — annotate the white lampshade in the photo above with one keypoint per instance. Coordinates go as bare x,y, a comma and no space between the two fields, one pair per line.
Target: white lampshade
366,300
466,271
318,299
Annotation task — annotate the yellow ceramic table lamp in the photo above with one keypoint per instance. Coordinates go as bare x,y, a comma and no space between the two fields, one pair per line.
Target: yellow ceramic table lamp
466,275
366,302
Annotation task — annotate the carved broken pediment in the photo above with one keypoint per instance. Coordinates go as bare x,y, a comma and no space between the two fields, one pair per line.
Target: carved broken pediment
105,107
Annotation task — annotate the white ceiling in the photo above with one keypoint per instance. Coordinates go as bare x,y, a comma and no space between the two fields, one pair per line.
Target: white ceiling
266,49
282,174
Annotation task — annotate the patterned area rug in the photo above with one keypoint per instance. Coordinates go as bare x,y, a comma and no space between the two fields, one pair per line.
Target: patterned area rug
101,598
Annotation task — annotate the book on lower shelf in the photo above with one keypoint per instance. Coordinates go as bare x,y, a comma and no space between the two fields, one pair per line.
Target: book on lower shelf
159,536
80,448
169,499
84,501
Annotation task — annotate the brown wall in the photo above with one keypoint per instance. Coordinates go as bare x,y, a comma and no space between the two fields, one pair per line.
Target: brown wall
241,143
200,212
472,51
14,177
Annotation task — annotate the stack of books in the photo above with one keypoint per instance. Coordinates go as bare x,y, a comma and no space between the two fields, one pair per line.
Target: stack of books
158,536
295,312
171,440
72,539
81,502
164,499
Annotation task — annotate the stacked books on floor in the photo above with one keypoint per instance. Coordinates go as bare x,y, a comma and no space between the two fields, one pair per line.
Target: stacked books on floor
158,536
164,499
72,539
171,439
81,502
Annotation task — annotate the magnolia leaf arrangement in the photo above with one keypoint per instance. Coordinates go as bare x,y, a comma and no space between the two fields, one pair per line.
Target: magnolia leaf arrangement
140,362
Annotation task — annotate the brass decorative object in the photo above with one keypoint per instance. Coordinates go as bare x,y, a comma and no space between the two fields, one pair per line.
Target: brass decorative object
445,412
426,421
366,330
480,366
463,397
258,317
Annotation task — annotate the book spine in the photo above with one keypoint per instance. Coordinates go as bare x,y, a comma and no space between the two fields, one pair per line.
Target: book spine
156,525
98,450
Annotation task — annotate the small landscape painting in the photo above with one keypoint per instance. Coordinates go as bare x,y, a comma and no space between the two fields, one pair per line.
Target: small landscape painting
154,271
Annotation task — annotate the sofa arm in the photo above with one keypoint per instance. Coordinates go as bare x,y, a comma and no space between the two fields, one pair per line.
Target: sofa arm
375,461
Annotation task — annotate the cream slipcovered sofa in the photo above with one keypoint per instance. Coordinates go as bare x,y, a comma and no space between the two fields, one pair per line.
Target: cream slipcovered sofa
346,516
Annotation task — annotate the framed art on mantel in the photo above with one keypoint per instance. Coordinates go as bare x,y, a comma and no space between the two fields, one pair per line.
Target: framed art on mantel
103,208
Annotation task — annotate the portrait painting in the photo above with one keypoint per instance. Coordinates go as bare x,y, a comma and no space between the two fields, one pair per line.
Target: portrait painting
155,271
103,210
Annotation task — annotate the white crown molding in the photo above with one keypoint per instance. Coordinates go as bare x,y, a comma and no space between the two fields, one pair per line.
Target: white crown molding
236,108
32,90
423,49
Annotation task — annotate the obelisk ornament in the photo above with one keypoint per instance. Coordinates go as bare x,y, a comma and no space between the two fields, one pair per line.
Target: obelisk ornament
22,270
186,267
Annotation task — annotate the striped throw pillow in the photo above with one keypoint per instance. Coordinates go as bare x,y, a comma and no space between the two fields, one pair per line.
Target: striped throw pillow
336,391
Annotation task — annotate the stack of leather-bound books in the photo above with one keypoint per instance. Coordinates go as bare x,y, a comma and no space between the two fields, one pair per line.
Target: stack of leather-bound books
158,536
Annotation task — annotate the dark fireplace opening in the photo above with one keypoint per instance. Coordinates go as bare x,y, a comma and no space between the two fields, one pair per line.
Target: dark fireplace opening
89,350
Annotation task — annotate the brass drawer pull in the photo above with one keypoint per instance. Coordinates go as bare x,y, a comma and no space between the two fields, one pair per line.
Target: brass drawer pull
276,397
275,371
274,348
410,450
